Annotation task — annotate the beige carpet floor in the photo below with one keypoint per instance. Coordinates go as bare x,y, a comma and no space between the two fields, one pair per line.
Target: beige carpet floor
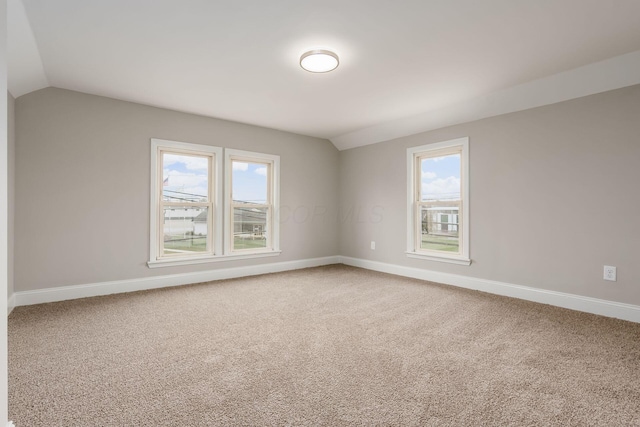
326,346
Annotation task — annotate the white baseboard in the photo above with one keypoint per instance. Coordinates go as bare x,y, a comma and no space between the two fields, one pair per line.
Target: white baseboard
574,302
11,303
105,288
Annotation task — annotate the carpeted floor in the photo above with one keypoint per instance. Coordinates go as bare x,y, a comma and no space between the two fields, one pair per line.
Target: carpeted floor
325,346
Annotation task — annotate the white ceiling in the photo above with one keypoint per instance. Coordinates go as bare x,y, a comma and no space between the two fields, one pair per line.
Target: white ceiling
405,66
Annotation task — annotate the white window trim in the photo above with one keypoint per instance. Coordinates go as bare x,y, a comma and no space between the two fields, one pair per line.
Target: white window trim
274,192
412,251
156,180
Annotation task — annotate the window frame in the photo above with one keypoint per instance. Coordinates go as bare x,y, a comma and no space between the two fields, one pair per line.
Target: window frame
414,203
273,202
214,234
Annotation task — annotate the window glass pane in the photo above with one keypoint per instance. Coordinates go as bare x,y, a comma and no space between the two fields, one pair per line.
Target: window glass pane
185,178
440,226
249,228
440,208
440,178
249,182
185,230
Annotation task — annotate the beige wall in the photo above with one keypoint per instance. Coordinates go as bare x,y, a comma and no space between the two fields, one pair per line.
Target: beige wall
82,187
554,197
11,159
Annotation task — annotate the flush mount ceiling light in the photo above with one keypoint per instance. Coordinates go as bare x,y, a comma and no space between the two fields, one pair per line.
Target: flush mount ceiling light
319,61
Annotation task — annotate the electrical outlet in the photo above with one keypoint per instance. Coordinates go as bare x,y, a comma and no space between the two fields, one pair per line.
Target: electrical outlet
609,273
373,245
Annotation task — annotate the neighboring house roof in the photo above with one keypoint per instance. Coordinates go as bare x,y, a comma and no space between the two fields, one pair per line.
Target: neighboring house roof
202,217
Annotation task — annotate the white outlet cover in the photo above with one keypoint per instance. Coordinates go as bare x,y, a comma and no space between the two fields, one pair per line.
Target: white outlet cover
610,273
373,245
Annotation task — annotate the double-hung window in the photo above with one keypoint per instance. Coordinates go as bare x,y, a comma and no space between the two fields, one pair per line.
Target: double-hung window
252,199
189,210
438,201
185,202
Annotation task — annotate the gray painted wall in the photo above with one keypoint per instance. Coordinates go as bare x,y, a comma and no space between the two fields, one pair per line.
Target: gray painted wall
553,192
11,159
554,197
82,187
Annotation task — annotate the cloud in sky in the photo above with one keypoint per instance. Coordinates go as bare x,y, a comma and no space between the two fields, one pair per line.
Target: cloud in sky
177,178
428,175
261,171
182,182
189,162
443,187
240,166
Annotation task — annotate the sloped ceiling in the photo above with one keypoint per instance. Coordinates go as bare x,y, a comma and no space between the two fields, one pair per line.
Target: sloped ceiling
406,67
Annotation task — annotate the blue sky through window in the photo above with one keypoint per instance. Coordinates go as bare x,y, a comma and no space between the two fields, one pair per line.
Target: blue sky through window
249,182
185,178
440,178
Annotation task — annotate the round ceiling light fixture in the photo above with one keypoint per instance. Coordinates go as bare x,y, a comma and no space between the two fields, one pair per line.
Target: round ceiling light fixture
319,61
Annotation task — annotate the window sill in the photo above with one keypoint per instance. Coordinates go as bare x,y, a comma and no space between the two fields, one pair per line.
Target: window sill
439,258
207,259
